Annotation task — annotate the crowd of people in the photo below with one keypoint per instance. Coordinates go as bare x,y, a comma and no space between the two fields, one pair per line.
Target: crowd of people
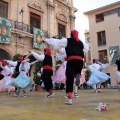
70,74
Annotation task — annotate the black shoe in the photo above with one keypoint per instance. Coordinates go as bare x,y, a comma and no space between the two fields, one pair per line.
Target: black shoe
77,82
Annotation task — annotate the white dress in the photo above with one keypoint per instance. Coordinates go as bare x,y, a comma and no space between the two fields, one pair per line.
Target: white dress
8,73
22,80
97,76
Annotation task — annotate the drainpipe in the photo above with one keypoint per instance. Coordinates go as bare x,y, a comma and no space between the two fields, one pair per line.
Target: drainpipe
16,25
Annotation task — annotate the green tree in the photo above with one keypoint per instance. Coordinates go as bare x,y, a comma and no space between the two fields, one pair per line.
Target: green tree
87,75
16,56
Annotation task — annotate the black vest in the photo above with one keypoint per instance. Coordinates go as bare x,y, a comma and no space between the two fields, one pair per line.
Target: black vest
47,60
1,69
118,64
17,67
74,48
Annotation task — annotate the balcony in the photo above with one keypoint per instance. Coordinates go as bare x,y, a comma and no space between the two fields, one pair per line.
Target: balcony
25,28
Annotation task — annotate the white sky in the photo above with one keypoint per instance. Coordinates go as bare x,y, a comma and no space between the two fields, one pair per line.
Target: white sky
81,21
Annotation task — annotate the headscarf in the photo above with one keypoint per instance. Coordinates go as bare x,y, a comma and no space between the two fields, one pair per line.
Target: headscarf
20,59
74,34
48,52
3,62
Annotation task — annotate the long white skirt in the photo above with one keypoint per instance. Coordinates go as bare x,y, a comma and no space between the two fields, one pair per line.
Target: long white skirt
97,77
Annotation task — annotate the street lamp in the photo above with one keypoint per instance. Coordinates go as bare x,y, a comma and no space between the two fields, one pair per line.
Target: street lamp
21,12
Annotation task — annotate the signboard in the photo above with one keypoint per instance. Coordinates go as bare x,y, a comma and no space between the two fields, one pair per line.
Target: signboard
37,39
5,30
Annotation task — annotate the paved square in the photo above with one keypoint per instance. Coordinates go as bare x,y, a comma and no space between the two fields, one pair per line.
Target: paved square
36,107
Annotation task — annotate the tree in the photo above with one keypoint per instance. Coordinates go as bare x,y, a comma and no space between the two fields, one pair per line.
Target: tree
87,75
16,56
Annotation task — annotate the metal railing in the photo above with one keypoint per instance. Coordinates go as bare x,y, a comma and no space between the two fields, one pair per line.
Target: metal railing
24,27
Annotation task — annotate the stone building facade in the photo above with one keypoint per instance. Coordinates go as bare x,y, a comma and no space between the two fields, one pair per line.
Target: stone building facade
54,17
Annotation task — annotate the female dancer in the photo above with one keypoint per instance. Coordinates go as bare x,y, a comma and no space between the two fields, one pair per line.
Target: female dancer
8,70
97,77
23,81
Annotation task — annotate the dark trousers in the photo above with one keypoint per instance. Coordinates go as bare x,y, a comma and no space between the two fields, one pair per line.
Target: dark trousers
1,77
47,79
17,73
62,86
72,67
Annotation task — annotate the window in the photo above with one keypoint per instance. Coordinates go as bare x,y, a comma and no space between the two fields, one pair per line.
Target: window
113,11
103,56
35,20
107,13
99,17
3,9
119,12
61,30
101,38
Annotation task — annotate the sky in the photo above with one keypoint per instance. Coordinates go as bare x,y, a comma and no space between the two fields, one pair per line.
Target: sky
81,21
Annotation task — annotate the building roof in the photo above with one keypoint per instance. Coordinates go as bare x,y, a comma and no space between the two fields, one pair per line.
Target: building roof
100,8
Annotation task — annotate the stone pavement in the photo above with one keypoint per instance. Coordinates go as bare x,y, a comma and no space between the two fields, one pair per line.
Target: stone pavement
36,107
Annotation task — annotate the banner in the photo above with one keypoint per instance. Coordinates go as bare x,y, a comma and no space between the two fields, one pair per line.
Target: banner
37,39
113,53
5,30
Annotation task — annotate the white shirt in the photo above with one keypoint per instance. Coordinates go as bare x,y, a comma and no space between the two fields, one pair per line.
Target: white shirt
62,43
38,57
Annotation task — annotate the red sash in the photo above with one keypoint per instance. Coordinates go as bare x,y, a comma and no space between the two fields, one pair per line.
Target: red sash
74,57
47,67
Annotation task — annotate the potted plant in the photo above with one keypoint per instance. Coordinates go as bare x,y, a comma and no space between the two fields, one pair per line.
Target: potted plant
87,75
36,79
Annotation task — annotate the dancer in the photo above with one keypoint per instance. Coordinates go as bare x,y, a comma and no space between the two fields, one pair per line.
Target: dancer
23,81
19,60
2,74
74,51
118,72
97,77
118,66
8,70
59,76
47,70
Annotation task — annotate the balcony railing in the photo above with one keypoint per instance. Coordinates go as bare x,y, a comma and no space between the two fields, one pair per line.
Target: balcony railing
24,27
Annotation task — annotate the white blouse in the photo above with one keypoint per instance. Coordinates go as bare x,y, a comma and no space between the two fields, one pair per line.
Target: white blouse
94,67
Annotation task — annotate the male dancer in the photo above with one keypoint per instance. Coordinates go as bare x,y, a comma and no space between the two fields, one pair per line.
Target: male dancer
47,69
74,51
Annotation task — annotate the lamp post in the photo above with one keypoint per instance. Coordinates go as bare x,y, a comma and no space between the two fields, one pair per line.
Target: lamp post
21,12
